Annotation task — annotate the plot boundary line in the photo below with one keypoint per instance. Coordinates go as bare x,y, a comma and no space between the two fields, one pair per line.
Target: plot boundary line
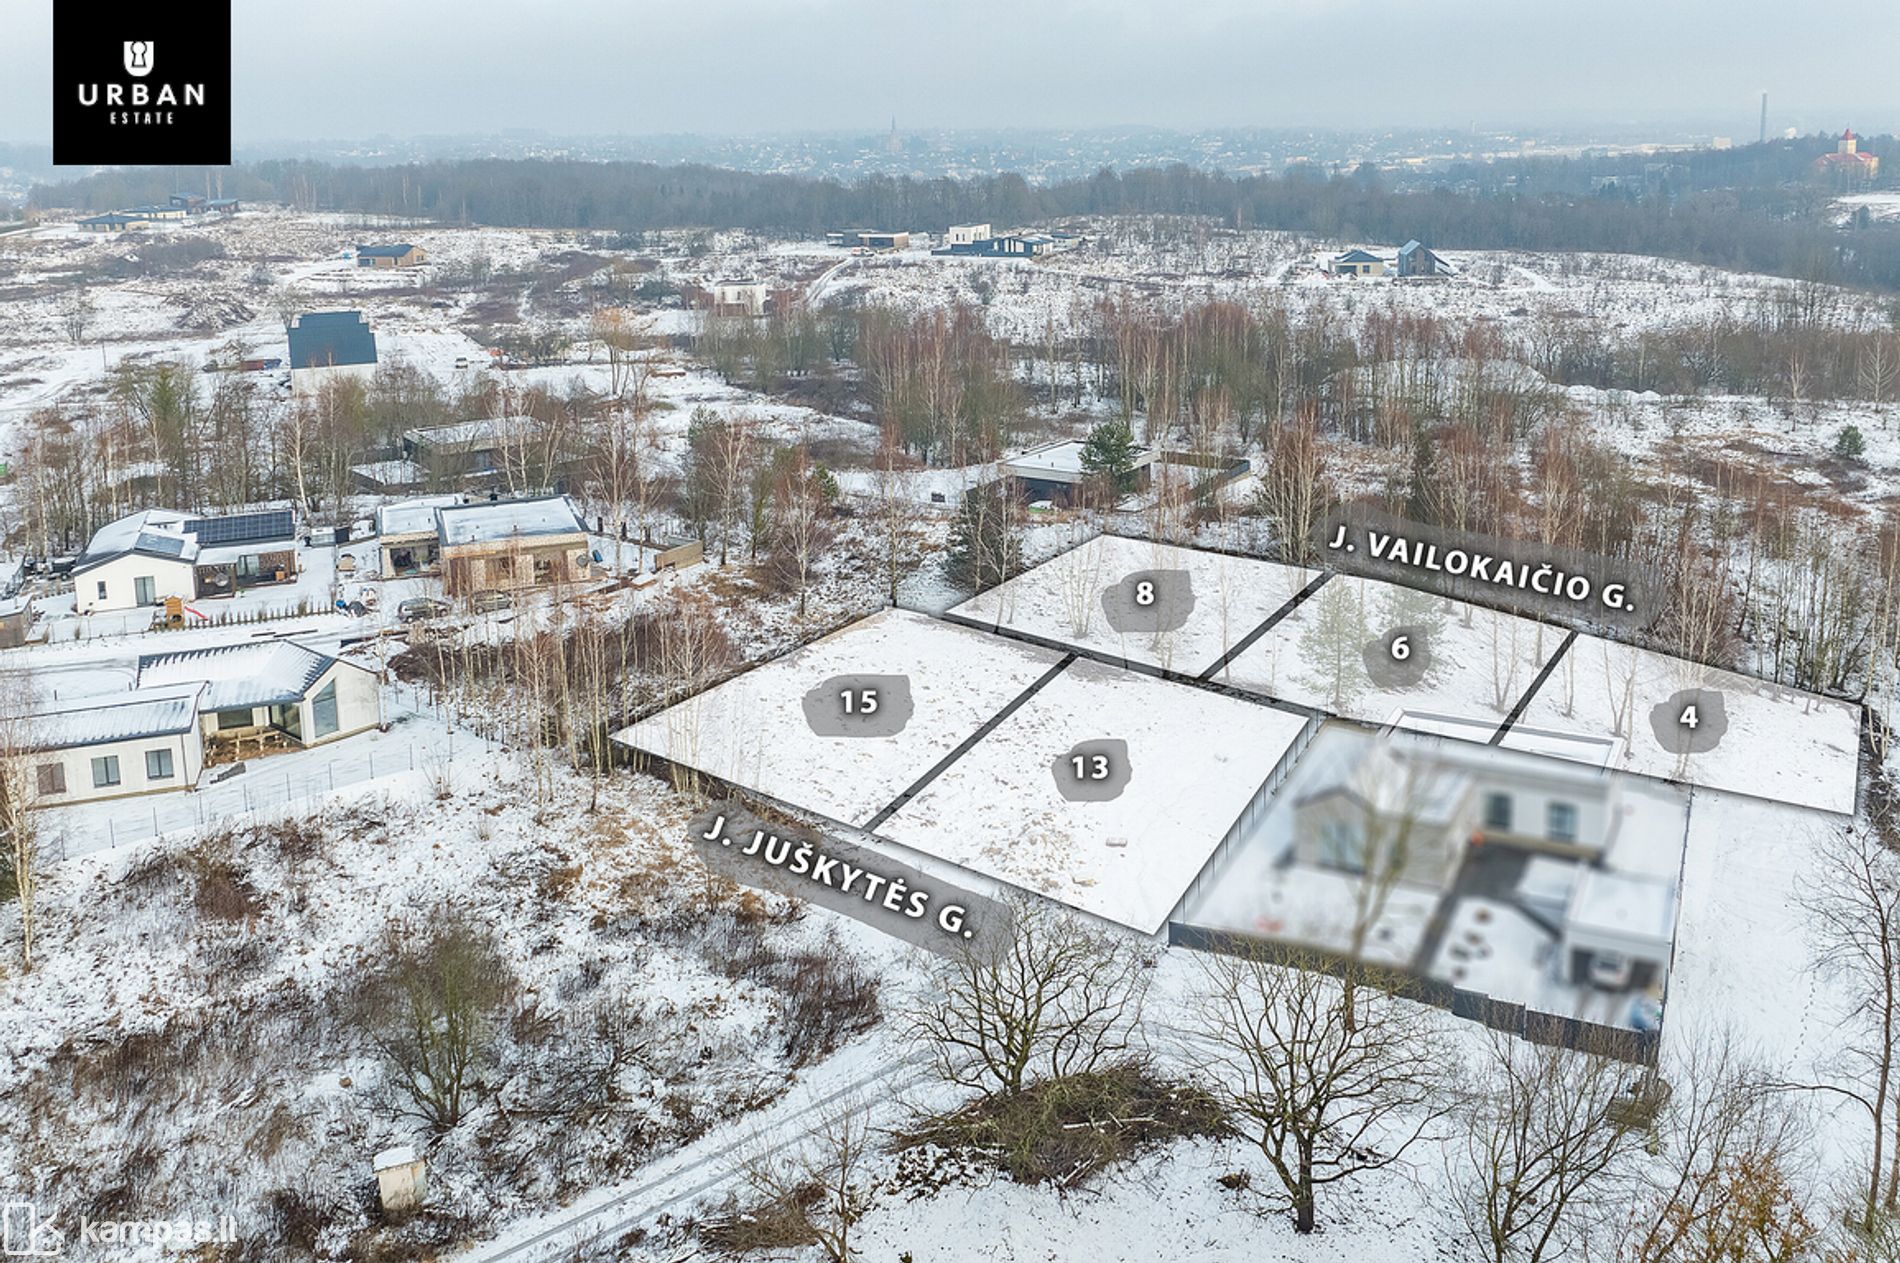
1530,693
1273,619
964,747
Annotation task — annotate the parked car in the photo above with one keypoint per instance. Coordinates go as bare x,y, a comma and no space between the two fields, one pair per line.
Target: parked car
488,600
418,608
1610,971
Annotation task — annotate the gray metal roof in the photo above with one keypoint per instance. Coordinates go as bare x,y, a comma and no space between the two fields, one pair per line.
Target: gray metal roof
269,673
323,339
127,716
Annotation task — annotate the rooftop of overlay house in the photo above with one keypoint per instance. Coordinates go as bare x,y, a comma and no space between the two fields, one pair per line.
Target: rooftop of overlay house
752,731
1334,652
1598,704
1061,601
1196,761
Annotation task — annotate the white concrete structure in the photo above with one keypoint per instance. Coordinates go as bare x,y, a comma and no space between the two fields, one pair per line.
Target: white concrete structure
402,1180
740,298
142,742
966,234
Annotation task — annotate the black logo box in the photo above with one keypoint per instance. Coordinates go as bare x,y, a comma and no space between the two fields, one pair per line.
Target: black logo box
186,44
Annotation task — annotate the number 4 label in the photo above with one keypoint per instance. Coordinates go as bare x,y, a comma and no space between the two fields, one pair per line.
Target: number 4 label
1689,719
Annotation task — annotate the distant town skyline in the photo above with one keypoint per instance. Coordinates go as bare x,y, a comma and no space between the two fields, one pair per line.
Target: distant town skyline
346,69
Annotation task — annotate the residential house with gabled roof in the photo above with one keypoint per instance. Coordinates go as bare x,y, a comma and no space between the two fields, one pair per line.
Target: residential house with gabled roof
403,255
260,697
1356,262
140,742
1417,260
146,557
325,345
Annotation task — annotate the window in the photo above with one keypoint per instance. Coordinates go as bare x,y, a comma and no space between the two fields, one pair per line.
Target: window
1497,812
52,778
247,566
105,771
102,589
158,765
1561,822
1342,846
144,590
237,717
323,711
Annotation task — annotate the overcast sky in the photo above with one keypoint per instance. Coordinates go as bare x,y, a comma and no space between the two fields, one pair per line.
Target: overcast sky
339,69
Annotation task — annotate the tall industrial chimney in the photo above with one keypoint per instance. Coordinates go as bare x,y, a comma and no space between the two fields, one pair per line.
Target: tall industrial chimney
1763,138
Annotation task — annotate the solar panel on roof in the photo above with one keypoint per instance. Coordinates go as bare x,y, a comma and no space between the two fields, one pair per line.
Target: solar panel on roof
244,528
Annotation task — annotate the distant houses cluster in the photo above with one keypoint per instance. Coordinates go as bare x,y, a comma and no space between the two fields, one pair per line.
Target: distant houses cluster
1414,261
181,206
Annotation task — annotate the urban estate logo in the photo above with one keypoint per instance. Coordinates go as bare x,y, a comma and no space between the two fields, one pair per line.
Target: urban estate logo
116,101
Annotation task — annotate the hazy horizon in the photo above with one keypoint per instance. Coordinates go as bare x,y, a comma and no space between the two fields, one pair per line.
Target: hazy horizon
318,73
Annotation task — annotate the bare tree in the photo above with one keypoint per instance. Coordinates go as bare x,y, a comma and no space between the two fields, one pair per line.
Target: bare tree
801,517
898,518
1852,902
1054,998
817,1190
1295,487
1323,1097
21,827
1542,1158
431,1014
1721,1189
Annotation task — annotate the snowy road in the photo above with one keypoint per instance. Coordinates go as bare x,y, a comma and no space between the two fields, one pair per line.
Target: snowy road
707,1167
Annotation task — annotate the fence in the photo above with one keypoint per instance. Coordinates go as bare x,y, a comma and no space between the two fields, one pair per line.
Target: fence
259,788
1550,1029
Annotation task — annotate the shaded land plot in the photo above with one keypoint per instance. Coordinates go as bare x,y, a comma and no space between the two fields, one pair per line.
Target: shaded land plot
1507,876
1635,710
1121,838
788,729
1198,607
1384,653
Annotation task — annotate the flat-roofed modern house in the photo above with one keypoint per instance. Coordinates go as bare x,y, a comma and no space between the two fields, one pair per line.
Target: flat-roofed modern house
401,255
244,550
261,697
190,203
325,345
157,213
966,234
140,742
223,205
739,298
146,557
1054,471
511,544
406,535
112,221
460,450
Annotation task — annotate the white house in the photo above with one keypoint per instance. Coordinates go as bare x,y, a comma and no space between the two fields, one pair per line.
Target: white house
142,742
739,298
137,560
146,557
269,695
966,234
